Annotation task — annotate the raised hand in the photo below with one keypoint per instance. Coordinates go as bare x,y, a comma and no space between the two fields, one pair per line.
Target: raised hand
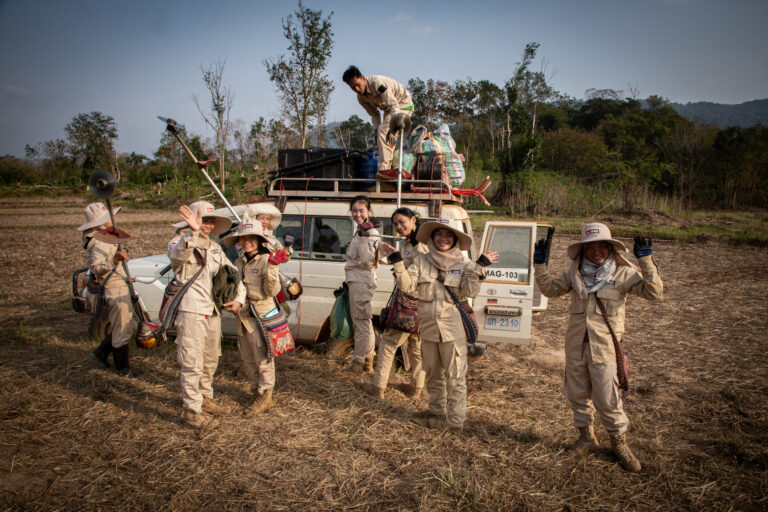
386,249
540,252
195,220
643,246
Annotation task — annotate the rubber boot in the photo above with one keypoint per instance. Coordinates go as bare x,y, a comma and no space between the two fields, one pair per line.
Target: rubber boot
198,420
122,366
370,389
368,365
210,405
101,353
261,403
620,448
586,441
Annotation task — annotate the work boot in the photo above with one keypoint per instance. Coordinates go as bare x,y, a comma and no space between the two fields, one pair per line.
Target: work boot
370,389
261,403
101,353
122,367
356,367
410,390
586,441
198,420
368,365
210,405
620,448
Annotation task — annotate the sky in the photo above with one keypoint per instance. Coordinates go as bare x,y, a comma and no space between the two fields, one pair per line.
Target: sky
139,59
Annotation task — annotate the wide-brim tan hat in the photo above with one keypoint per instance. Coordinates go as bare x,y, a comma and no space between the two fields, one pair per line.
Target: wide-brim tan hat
463,240
221,222
96,214
247,227
253,210
594,232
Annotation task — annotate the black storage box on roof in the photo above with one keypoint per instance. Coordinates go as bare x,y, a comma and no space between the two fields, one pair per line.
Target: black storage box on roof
329,163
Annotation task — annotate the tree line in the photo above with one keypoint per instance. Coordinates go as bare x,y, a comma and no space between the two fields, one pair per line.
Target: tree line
547,152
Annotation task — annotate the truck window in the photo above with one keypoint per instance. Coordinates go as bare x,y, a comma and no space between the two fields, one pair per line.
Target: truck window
322,238
514,247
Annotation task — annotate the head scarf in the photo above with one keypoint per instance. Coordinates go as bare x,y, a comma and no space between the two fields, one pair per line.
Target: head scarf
446,259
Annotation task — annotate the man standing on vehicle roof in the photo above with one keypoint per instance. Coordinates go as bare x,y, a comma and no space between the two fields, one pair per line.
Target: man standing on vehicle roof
380,93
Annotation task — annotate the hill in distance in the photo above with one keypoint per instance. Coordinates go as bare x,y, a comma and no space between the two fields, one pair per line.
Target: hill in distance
722,115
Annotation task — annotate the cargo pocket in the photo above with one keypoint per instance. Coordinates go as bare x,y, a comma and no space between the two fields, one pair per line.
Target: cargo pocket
612,300
427,285
458,366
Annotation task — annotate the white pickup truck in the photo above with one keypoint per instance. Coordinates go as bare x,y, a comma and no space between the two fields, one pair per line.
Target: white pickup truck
322,228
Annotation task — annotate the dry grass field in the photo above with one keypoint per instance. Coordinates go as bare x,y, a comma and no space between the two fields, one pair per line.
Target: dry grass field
76,437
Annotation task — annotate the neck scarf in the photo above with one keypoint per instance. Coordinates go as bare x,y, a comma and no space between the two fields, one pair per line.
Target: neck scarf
586,277
446,259
203,242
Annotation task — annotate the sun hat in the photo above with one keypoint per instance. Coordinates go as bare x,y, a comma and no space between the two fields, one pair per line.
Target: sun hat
96,214
253,210
594,232
464,241
221,222
247,227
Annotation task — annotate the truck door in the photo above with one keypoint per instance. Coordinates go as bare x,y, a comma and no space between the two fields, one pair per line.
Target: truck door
544,231
504,305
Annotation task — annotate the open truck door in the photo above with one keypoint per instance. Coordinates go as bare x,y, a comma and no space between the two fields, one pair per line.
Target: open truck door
544,231
505,303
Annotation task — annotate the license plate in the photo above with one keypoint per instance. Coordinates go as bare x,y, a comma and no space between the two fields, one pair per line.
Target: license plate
502,323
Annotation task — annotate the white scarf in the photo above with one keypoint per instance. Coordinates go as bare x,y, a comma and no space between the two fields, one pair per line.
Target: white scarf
587,277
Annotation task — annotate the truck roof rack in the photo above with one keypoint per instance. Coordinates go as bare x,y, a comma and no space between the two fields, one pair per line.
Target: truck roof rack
325,188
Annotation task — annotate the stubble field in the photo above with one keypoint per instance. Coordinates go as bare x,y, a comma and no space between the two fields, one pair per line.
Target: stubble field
76,437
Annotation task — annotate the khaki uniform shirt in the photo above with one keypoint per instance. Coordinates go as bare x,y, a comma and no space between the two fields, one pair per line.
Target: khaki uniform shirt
439,317
262,283
185,263
385,94
410,252
99,259
585,315
362,258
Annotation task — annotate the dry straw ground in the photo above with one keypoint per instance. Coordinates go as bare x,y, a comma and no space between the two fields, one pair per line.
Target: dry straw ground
75,437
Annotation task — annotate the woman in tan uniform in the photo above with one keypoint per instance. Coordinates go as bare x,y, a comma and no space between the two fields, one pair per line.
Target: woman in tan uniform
104,262
194,256
259,269
599,279
269,217
360,271
443,339
406,222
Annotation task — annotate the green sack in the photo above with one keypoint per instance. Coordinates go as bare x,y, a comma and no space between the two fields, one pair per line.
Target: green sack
341,320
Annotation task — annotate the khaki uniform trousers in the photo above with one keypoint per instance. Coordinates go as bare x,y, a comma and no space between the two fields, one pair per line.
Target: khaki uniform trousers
385,150
199,346
391,340
122,321
253,352
360,298
586,383
446,367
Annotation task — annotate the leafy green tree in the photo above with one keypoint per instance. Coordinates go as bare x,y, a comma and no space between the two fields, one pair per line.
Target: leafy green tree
353,133
91,141
300,78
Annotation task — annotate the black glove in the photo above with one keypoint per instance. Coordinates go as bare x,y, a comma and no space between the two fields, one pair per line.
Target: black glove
484,261
288,240
643,246
540,252
394,257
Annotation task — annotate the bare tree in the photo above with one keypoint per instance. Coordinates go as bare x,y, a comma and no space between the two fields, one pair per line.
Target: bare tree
300,78
218,115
